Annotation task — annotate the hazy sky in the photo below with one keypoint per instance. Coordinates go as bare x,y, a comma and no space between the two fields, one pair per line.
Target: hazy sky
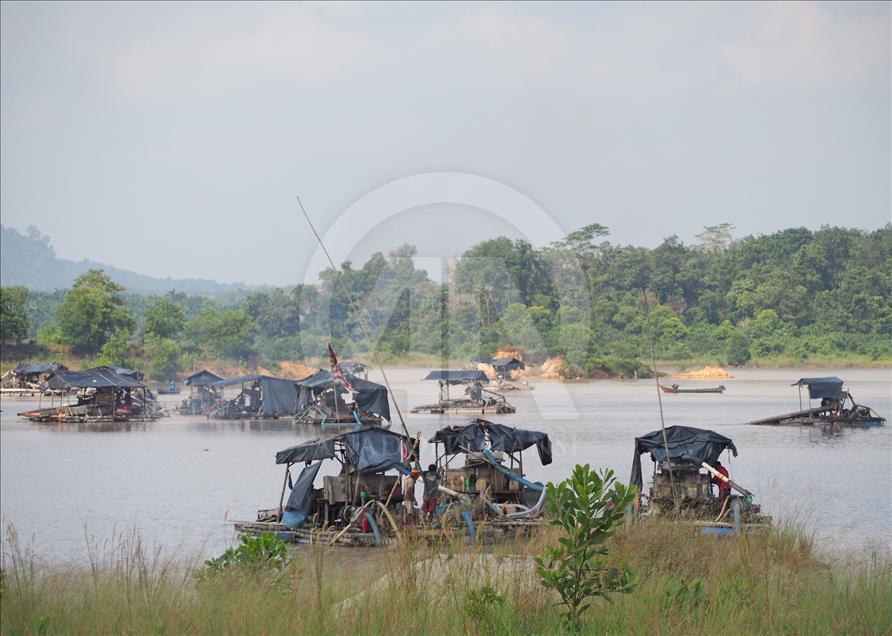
171,138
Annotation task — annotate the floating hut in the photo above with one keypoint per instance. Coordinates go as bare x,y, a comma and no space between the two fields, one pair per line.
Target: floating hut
354,507
680,490
324,401
837,407
100,395
27,378
476,400
259,397
202,394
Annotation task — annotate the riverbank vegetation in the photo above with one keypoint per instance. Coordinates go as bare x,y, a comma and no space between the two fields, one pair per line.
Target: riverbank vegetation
793,297
685,583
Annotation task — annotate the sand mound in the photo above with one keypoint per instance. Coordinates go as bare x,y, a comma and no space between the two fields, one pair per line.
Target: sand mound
551,369
295,370
706,373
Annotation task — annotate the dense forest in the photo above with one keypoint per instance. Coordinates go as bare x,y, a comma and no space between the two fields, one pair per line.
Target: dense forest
792,296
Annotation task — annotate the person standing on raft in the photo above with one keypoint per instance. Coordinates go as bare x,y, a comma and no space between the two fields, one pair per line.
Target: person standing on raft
431,485
723,484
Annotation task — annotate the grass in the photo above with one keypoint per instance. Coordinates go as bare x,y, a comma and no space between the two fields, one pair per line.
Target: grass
687,583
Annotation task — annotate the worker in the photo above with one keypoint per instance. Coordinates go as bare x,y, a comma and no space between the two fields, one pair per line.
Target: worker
724,486
409,495
431,480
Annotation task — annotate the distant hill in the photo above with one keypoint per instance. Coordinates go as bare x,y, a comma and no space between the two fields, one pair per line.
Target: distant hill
29,260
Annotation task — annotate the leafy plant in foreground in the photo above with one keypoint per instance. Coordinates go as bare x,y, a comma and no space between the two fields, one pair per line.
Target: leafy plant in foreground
256,551
588,506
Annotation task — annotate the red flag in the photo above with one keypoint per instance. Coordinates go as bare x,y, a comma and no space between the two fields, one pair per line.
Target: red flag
338,373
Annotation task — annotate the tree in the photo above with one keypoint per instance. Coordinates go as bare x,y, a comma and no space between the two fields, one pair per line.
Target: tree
13,321
164,318
91,312
115,349
587,506
738,349
163,356
715,238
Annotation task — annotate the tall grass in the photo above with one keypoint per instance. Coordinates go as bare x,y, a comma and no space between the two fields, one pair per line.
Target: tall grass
687,583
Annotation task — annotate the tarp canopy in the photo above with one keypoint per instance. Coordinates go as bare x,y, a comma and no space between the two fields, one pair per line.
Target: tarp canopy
507,364
203,378
368,450
818,388
307,451
472,437
25,368
371,397
301,497
278,396
130,373
458,376
94,378
686,444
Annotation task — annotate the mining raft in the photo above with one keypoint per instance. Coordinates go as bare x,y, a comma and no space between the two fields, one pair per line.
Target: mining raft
323,400
484,498
476,398
685,466
837,407
96,395
481,464
203,396
354,507
28,378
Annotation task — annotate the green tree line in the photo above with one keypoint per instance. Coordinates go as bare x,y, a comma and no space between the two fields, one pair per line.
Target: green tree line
795,295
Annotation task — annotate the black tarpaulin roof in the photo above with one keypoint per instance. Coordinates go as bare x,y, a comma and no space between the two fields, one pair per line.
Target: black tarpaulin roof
130,373
368,450
507,364
472,437
93,378
371,397
821,387
203,378
25,368
456,376
278,396
695,445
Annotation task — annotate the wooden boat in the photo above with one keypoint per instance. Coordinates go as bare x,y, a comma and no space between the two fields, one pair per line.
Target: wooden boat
838,408
677,389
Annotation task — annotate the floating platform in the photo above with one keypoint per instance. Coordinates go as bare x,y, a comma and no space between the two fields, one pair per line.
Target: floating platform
500,408
822,416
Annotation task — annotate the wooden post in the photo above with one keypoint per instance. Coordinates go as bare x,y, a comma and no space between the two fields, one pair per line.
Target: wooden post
284,484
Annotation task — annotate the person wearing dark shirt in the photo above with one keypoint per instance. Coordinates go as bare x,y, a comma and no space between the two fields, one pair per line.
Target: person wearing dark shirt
431,485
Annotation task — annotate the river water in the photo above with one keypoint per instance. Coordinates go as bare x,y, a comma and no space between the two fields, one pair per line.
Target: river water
178,480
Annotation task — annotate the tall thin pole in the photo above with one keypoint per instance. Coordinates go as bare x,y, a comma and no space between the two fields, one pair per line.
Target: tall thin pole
653,358
358,313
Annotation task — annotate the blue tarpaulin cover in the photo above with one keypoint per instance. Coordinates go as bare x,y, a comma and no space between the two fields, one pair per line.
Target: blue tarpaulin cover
695,445
368,450
25,368
301,497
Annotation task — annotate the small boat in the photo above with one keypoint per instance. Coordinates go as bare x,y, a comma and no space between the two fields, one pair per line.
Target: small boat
677,389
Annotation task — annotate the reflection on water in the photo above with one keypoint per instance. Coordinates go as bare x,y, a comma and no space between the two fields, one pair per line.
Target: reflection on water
180,478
